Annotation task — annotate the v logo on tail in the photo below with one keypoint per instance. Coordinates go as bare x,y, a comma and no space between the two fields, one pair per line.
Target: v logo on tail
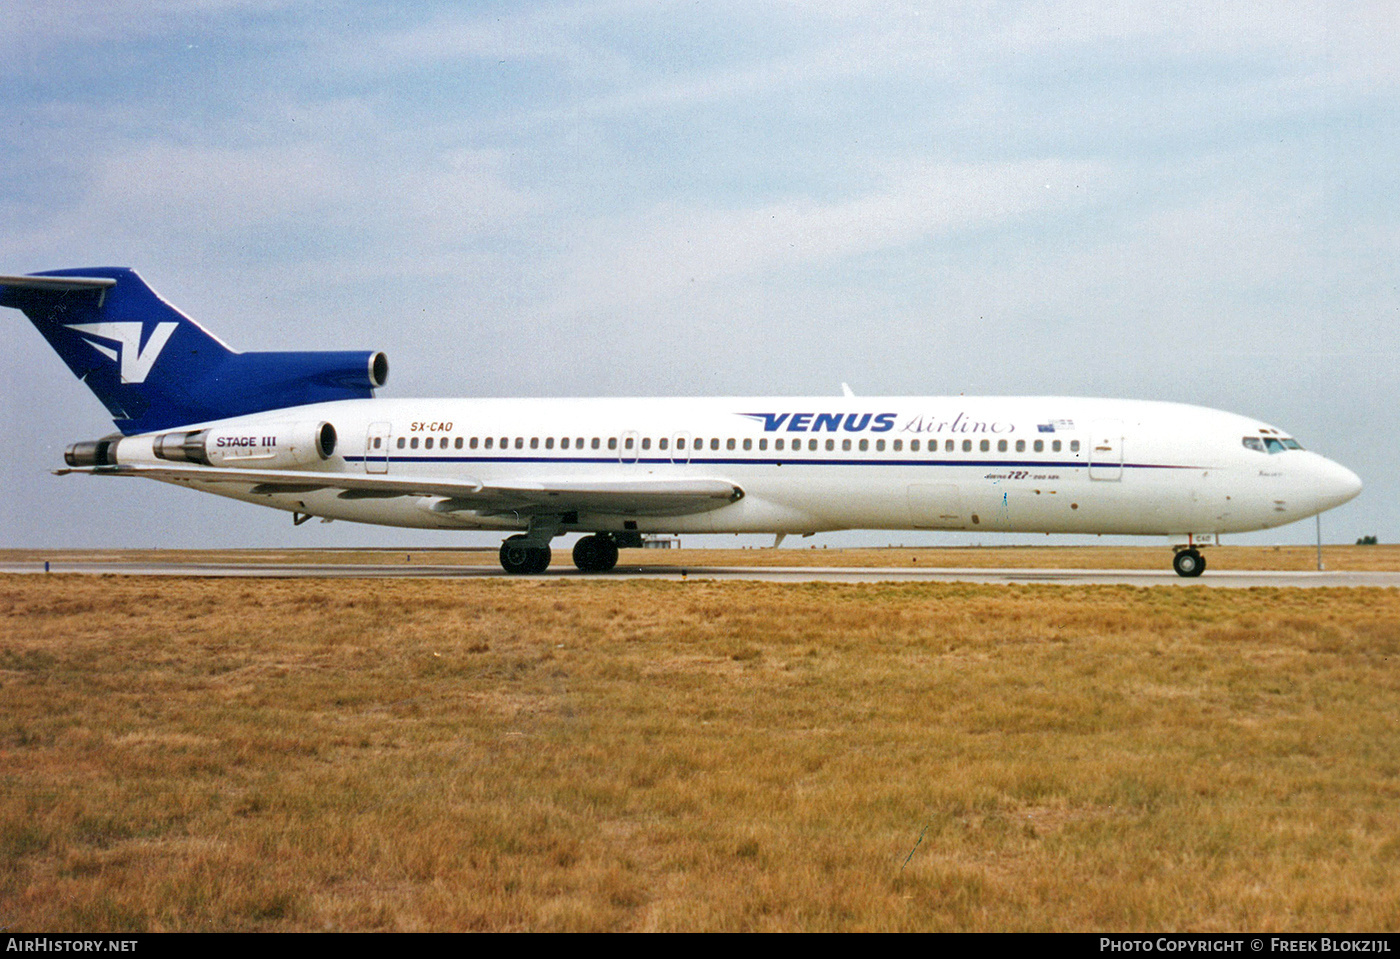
135,362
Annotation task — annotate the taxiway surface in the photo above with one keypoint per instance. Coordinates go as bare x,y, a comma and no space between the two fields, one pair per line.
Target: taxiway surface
785,574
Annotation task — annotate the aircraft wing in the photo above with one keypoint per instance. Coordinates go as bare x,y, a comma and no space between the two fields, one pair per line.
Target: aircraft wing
631,497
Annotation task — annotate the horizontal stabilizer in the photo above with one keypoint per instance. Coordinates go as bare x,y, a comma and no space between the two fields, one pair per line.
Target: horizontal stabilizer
58,284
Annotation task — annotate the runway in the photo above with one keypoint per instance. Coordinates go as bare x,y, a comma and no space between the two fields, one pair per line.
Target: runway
1226,579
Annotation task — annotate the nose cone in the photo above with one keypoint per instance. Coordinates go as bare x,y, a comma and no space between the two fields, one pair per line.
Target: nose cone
1335,484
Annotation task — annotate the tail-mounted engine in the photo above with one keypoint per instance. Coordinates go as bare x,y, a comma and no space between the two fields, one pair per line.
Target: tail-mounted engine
101,452
270,445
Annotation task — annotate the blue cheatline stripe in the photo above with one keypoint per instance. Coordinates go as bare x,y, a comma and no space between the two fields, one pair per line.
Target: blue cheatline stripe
737,461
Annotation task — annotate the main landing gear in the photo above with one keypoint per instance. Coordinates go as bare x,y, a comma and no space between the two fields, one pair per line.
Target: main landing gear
519,556
1189,562
596,553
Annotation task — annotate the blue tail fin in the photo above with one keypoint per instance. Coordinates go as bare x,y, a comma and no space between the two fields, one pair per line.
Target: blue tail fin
155,368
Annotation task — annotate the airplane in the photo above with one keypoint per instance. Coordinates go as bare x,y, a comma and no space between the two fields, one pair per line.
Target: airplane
304,432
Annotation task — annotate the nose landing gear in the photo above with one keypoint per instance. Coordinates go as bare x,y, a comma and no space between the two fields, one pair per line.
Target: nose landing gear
1189,562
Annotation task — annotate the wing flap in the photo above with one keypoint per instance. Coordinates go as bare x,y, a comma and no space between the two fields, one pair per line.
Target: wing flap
650,497
639,497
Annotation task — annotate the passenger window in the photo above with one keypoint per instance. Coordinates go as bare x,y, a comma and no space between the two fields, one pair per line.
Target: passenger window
913,446
646,442
714,443
777,444
488,442
459,442
864,445
401,442
897,445
627,443
986,446
612,442
1055,446
520,442
879,446
413,443
763,443
948,446
748,444
1020,446
1001,446
377,441
594,444
729,443
549,442
428,443
967,446
661,443
1074,446
846,445
812,445
473,443
564,443
534,442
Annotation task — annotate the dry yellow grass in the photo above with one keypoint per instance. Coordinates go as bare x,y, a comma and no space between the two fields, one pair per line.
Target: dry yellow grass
582,755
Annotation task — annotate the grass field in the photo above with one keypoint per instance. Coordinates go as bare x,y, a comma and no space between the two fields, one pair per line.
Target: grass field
583,755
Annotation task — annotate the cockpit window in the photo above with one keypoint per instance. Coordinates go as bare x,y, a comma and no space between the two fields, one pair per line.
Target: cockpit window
1270,444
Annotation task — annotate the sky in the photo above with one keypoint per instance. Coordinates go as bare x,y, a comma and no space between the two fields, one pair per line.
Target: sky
1193,202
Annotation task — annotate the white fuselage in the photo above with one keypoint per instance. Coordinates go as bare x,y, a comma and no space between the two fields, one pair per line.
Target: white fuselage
805,465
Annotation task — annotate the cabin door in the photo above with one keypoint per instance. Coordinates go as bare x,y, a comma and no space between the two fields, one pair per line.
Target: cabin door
1106,450
680,447
377,448
627,447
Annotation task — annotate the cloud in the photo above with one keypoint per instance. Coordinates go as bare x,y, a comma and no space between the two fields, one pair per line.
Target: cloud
282,205
33,27
672,249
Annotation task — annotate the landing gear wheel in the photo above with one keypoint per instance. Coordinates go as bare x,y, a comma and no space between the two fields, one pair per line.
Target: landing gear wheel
521,559
1189,562
595,554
